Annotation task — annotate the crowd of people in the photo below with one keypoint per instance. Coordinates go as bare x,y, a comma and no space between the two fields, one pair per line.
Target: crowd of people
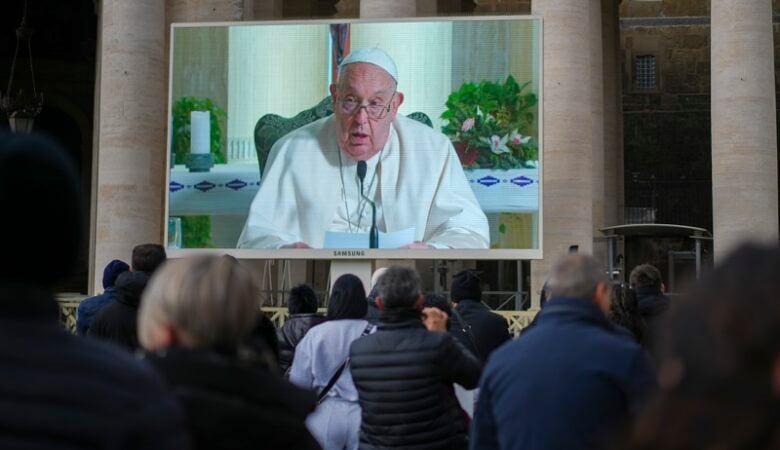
176,354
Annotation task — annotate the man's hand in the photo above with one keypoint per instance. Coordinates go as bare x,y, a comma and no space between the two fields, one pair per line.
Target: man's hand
298,244
435,319
417,244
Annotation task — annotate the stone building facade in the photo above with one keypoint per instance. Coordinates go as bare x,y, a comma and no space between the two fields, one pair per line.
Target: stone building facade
678,143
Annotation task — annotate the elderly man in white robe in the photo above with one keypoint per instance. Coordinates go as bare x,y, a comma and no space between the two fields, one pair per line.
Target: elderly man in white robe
413,175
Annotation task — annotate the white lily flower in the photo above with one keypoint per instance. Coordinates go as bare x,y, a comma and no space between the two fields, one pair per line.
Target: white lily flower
517,138
497,144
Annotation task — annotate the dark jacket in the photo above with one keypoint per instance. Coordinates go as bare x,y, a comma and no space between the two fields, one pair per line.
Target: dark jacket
652,306
652,302
404,375
235,405
61,391
293,330
563,384
117,322
89,307
478,328
373,313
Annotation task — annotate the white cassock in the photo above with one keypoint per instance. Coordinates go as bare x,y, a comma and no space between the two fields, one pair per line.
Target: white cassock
416,180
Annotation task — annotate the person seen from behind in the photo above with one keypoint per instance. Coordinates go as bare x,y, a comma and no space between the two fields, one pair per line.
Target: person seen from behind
117,322
572,379
302,305
321,363
719,366
650,290
60,391
89,307
405,371
147,258
194,317
624,312
477,327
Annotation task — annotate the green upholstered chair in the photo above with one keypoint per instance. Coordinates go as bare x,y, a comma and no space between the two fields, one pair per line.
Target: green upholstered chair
271,127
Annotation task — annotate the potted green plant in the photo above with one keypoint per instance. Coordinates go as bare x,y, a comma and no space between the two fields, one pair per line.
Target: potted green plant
492,127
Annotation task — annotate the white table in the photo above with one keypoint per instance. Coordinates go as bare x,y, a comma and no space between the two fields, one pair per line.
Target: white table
226,190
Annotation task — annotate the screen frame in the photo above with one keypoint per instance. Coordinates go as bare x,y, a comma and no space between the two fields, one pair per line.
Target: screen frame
363,254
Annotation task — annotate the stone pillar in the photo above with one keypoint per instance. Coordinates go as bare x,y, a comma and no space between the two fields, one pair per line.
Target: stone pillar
613,113
597,128
262,9
385,8
205,10
568,104
130,131
744,131
348,8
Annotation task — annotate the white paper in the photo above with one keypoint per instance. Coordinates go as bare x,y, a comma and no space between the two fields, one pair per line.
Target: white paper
200,132
393,239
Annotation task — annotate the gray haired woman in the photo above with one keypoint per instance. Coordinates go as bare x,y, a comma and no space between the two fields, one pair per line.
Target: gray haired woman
194,316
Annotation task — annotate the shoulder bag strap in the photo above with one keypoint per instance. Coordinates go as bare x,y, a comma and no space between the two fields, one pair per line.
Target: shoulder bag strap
337,374
466,328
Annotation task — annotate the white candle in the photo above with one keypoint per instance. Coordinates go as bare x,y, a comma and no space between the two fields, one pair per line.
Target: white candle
200,128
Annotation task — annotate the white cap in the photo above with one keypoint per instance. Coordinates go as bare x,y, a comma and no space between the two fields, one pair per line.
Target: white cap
375,56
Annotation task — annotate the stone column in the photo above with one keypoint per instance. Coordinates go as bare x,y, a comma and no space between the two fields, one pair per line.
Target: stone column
385,8
744,131
597,128
206,10
130,131
568,104
613,113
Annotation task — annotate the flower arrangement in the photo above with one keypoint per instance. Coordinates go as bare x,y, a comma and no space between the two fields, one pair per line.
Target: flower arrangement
488,122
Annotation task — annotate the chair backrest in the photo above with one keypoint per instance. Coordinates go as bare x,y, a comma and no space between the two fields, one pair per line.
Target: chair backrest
271,127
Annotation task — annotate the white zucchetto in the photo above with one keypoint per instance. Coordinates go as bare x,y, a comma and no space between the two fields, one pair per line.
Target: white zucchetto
375,56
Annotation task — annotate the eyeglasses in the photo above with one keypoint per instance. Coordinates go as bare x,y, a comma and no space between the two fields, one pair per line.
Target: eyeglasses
376,111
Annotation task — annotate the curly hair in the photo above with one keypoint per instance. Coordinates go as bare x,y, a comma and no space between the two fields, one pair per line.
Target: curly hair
624,311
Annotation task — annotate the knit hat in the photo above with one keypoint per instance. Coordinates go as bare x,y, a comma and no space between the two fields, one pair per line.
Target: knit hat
130,286
466,285
112,271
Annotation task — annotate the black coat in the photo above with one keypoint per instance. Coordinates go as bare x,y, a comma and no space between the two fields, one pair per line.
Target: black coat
59,391
488,330
117,322
652,306
293,330
235,405
404,375
563,385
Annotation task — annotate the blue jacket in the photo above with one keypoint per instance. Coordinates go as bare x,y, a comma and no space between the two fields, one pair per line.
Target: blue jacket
89,307
563,384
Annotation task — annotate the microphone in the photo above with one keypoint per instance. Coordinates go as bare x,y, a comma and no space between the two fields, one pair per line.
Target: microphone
373,234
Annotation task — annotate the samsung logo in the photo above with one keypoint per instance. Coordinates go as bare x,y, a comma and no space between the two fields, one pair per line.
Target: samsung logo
349,253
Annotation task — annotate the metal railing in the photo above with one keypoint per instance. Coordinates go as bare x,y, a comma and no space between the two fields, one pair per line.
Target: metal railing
517,319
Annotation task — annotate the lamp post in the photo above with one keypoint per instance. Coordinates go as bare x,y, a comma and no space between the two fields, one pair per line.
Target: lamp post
22,108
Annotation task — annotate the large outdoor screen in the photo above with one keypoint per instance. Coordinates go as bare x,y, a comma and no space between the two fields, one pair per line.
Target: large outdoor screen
426,142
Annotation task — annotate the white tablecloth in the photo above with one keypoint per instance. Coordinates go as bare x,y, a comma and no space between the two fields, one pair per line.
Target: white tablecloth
228,189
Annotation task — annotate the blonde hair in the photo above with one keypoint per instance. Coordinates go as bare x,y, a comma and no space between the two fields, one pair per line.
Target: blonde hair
213,300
